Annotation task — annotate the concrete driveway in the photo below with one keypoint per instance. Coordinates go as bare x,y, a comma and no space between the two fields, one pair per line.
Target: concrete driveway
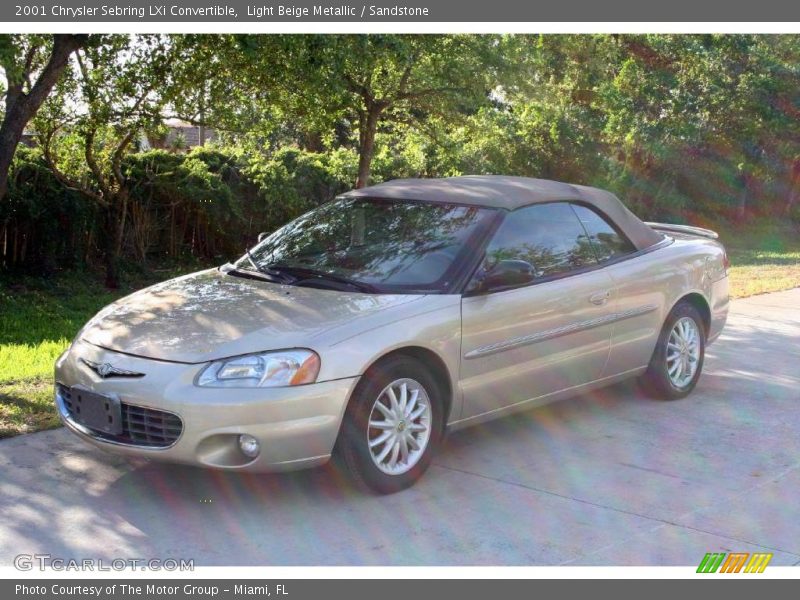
611,478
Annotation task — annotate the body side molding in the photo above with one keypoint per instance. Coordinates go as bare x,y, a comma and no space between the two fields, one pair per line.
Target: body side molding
550,334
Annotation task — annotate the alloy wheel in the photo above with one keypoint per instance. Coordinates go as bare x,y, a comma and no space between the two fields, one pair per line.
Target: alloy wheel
399,426
683,352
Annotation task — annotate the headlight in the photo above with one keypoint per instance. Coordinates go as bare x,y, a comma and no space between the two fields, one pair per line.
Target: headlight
268,369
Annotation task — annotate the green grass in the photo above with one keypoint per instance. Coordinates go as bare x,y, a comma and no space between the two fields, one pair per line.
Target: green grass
26,406
765,257
39,316
38,319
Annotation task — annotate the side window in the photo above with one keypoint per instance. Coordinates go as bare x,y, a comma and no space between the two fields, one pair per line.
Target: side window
608,243
548,236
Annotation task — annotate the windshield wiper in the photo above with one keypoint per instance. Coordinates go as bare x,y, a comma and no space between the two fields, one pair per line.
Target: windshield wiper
271,273
305,274
231,269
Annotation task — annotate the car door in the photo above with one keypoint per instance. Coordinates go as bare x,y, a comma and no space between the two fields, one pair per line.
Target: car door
638,280
547,335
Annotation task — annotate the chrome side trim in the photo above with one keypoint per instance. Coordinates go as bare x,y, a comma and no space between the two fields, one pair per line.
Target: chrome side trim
550,334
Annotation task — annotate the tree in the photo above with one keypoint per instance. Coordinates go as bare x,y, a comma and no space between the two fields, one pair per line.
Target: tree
703,123
366,82
32,65
114,94
206,72
545,122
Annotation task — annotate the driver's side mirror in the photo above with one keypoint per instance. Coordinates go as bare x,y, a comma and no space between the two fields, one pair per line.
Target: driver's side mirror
261,236
503,274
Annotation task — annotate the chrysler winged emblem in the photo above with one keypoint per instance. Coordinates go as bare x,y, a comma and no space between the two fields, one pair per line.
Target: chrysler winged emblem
108,370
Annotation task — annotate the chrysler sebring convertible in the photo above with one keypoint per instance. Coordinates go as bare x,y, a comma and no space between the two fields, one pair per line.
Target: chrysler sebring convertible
370,326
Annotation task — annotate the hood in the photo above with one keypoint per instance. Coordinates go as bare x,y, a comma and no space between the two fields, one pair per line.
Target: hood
209,315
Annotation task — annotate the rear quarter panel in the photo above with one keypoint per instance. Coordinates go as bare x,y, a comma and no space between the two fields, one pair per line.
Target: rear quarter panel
652,283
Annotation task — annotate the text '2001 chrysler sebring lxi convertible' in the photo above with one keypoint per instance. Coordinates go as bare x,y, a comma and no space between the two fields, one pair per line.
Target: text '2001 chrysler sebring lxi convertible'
371,325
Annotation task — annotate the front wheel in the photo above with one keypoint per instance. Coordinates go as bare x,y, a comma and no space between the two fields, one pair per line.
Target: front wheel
677,360
392,426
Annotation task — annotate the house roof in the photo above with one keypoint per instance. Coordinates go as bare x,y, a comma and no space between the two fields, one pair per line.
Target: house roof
509,193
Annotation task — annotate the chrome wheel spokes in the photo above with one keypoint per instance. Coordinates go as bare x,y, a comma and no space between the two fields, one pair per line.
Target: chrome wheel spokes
399,426
683,352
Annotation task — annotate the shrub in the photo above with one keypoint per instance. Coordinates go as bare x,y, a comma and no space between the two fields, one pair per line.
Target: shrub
42,223
293,181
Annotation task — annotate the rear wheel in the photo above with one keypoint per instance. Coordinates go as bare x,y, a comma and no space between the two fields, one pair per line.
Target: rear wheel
677,360
392,426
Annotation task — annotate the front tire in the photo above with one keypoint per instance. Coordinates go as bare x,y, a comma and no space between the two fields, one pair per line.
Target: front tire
677,360
392,426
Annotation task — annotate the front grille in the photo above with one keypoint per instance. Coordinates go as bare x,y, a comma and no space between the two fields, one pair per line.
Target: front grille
150,427
140,426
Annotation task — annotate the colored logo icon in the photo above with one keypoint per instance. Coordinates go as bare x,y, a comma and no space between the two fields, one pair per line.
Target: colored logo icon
735,562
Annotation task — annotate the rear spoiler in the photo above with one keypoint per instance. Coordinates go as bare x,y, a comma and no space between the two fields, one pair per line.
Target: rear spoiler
687,229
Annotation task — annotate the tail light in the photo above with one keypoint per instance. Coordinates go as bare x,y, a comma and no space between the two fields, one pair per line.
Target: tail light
726,262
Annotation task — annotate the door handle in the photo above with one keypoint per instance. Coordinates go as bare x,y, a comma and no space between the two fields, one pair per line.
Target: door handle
600,298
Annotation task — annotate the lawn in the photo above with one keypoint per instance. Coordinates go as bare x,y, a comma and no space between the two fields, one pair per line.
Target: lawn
765,258
39,316
38,319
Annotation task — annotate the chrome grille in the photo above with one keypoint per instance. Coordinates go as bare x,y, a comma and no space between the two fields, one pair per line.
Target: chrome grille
140,426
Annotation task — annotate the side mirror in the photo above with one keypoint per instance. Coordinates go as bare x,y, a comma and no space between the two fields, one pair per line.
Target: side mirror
507,273
261,236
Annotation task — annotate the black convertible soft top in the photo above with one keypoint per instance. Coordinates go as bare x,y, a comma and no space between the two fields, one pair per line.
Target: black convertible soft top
509,193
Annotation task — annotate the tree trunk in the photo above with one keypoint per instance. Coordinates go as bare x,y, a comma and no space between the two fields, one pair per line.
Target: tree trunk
21,107
201,130
312,141
110,233
366,150
10,134
793,185
68,231
741,210
122,201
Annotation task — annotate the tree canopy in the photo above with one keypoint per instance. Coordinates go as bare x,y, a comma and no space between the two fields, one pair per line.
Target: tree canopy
697,128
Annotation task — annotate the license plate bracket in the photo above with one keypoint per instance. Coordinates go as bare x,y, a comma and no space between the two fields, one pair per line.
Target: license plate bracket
96,411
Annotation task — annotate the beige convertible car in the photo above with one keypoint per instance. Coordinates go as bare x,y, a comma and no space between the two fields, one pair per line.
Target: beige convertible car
368,327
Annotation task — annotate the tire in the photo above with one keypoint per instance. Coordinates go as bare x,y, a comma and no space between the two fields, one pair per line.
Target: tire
663,380
423,423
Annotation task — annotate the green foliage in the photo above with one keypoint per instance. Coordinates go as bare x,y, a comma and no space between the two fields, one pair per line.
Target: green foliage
207,203
685,128
34,191
16,50
293,181
348,88
42,221
197,178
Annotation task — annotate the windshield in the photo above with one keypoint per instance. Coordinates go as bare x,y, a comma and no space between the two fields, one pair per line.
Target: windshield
389,245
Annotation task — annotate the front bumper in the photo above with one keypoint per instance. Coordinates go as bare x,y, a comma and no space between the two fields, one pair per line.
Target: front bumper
296,426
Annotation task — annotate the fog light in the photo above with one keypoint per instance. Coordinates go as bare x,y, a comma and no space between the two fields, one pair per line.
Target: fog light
249,445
